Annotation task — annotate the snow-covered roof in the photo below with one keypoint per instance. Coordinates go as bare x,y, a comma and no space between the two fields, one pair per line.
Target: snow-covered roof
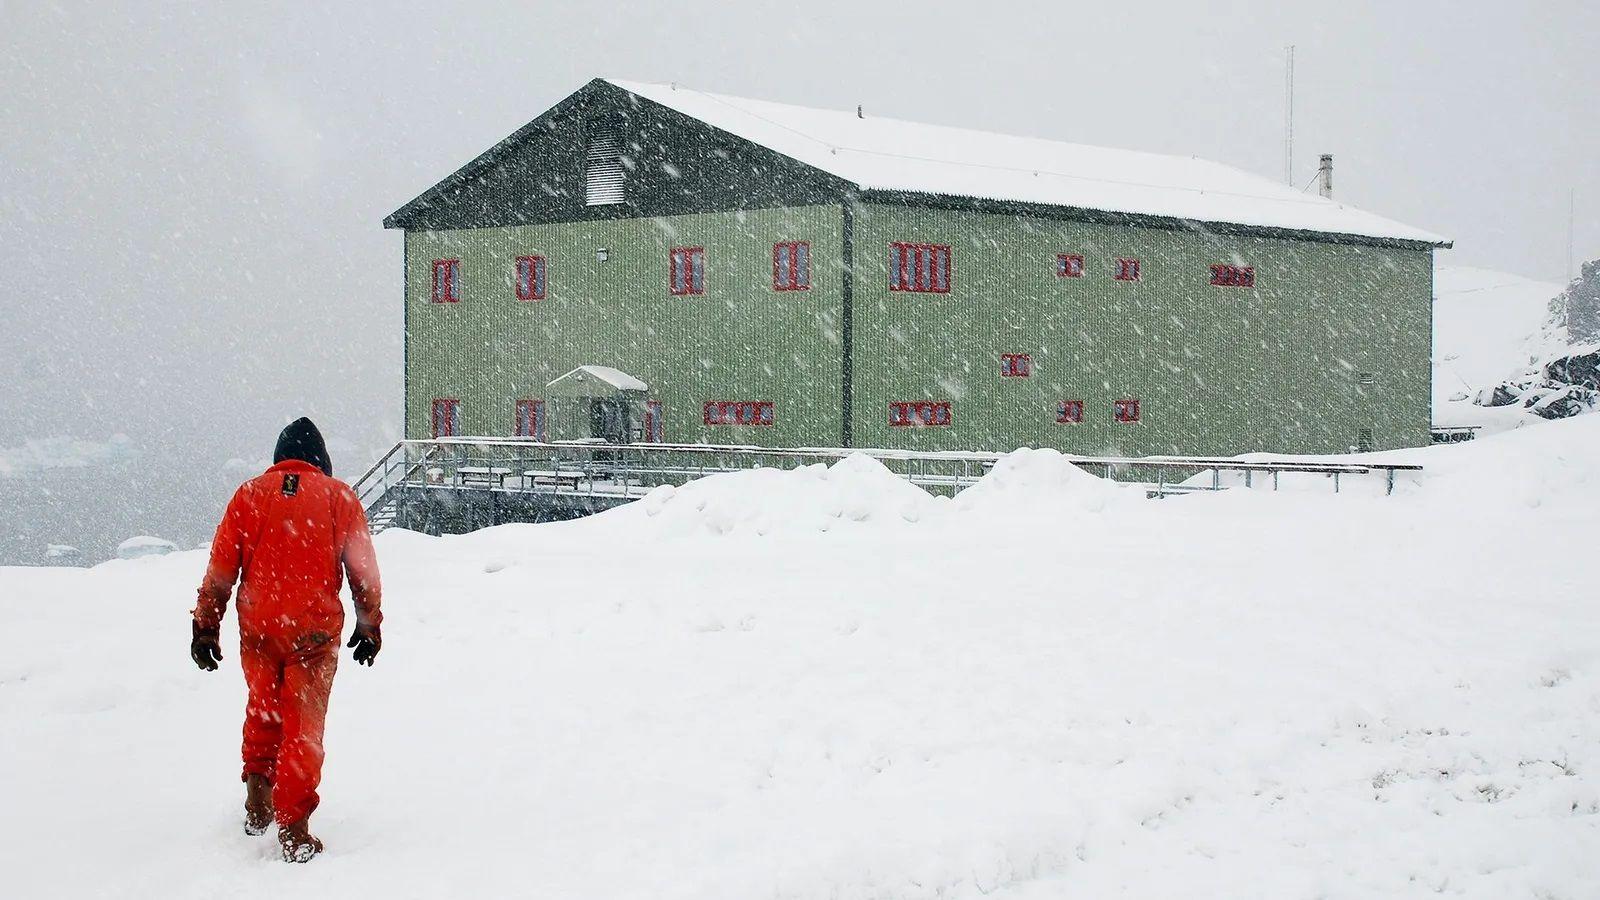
888,154
616,379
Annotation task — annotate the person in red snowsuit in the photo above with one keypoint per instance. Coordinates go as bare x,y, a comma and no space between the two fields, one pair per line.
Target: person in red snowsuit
286,535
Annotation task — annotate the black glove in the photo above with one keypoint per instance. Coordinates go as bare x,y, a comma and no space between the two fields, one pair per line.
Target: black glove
367,640
205,647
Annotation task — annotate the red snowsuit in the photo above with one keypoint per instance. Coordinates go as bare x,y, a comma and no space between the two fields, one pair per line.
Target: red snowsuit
288,531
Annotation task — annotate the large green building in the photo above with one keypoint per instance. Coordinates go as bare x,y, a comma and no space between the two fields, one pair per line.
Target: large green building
650,263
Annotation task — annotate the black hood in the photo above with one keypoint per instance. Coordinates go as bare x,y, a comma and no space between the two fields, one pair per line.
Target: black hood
301,440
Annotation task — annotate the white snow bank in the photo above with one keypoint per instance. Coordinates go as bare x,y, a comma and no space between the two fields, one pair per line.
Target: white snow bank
145,545
1485,328
1033,481
1234,695
815,499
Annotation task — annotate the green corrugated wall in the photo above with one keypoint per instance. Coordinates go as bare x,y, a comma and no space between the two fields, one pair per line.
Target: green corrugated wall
1217,370
738,341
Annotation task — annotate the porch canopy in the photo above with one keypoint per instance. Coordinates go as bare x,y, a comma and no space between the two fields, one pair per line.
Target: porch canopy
595,381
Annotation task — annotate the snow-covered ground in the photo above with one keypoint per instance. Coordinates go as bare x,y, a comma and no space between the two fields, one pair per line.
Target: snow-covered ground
1485,328
824,684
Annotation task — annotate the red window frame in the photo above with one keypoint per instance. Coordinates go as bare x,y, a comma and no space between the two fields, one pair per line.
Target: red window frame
921,268
530,421
690,261
1127,268
1226,275
532,286
450,407
1016,365
759,413
1069,412
447,281
653,425
791,276
919,414
1126,412
1069,265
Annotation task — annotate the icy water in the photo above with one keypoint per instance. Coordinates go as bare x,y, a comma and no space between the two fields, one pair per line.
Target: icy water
96,508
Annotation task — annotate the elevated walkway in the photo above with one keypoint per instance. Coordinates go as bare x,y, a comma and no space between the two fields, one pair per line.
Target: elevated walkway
456,485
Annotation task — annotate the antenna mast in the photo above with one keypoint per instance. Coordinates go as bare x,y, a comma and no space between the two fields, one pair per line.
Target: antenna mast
1288,115
1572,199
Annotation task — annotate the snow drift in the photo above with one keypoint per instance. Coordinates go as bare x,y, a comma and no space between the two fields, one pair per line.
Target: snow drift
1045,689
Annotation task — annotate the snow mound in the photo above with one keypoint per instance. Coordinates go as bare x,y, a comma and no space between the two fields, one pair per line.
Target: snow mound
1231,695
144,545
1040,481
856,490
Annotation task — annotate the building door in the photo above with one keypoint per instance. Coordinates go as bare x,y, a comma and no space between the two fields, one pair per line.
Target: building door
608,420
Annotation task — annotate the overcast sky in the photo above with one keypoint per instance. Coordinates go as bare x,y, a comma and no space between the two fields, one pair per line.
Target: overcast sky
190,200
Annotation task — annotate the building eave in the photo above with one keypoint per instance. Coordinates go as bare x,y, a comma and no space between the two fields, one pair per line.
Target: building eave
1141,220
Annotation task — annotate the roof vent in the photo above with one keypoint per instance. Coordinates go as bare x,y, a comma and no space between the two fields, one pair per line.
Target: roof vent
603,167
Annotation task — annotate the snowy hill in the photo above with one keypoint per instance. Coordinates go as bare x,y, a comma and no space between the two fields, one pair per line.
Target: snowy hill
1049,688
1486,326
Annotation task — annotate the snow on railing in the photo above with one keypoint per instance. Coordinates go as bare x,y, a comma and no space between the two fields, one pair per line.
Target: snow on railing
621,472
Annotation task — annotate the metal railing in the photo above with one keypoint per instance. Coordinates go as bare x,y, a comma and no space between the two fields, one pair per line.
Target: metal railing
616,473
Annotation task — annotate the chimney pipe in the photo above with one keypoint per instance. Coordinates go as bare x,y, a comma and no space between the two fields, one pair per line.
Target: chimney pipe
858,112
1325,175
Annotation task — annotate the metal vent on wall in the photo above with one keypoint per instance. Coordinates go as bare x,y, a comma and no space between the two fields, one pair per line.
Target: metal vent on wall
603,168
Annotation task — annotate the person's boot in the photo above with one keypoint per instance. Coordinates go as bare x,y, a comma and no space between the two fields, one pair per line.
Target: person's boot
257,804
297,843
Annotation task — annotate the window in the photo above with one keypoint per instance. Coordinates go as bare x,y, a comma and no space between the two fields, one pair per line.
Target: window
447,281
739,412
1126,411
1015,365
1069,412
1224,275
652,422
531,419
602,172
530,278
688,270
919,414
446,418
1069,265
919,268
791,266
1127,269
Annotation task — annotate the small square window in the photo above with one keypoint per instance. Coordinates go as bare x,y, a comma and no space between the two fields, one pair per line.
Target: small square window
446,415
530,419
447,281
791,266
652,422
1015,365
688,270
1069,265
1224,275
919,268
530,278
1126,411
1069,412
1127,269
746,412
919,414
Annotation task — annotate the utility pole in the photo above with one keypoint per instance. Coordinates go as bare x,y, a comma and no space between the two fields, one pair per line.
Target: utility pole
1288,115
